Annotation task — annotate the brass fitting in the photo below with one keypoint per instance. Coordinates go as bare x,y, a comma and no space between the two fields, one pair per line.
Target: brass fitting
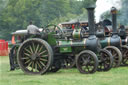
113,10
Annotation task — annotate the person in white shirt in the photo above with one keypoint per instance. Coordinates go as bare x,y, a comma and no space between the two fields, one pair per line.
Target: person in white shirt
32,29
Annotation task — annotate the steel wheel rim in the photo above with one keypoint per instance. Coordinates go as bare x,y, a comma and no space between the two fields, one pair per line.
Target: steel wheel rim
86,63
15,57
125,56
105,61
115,57
34,57
69,62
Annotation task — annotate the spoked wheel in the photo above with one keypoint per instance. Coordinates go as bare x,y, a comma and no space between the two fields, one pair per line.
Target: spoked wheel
13,58
117,56
87,62
56,66
69,62
106,60
54,69
35,56
125,55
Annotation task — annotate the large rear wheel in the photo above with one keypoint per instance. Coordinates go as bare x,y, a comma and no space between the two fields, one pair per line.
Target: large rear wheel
35,56
87,62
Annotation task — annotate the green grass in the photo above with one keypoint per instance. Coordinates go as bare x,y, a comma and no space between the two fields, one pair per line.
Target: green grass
116,76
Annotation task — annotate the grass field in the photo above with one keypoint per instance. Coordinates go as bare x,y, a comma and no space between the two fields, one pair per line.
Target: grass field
116,76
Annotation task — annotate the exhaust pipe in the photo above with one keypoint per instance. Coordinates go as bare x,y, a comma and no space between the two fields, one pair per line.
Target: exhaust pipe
91,20
114,19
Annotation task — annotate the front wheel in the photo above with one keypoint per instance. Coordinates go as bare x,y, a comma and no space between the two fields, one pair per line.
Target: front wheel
117,55
69,62
105,60
87,62
125,55
56,66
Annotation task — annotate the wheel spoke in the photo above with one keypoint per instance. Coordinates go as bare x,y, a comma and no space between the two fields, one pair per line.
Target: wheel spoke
43,59
39,65
36,66
44,56
37,48
43,52
29,64
25,58
42,63
27,61
114,55
110,51
91,64
87,68
83,59
28,51
31,48
65,63
113,52
27,54
40,49
32,66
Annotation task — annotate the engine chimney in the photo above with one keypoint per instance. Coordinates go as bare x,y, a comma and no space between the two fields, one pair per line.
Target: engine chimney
91,20
114,19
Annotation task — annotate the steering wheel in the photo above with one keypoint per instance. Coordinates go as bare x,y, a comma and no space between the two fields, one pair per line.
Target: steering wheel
53,28
83,30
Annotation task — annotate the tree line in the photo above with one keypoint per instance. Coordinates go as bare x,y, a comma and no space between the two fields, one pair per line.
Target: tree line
16,14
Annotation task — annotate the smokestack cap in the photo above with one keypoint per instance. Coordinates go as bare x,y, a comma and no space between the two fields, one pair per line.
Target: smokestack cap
91,7
113,10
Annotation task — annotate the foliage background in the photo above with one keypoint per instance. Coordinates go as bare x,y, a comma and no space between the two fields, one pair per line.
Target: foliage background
16,14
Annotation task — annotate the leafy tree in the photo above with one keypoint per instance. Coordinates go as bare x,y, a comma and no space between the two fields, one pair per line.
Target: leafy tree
89,3
54,9
3,4
17,14
76,6
124,13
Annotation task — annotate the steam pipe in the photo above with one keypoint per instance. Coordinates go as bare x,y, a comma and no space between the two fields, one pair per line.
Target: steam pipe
91,20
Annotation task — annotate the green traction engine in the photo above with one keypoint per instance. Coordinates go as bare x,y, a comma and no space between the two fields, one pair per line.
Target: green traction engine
48,51
114,39
113,42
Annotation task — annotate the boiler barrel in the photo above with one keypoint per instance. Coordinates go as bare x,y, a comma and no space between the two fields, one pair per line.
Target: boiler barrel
87,43
111,41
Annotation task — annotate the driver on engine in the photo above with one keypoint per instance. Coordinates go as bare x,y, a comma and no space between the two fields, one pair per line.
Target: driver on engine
32,29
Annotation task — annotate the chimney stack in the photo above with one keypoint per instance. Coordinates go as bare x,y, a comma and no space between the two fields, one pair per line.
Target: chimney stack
91,20
114,19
